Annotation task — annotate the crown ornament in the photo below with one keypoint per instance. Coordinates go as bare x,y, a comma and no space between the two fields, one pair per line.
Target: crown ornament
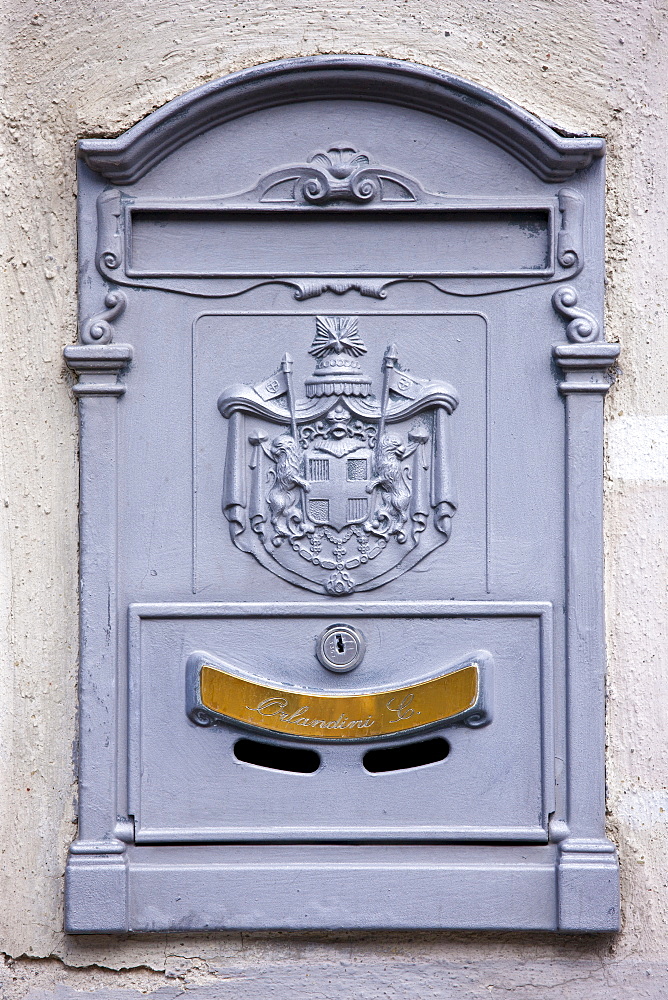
336,346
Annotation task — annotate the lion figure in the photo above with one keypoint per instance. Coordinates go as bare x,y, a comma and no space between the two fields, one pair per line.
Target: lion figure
391,481
283,497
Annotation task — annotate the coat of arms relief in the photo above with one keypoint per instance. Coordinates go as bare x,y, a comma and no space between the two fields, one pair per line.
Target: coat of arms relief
339,491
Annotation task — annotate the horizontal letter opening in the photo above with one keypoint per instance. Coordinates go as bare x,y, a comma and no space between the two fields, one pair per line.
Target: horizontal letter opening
229,243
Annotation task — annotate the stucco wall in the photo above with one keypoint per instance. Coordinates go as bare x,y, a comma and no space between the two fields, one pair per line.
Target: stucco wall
74,68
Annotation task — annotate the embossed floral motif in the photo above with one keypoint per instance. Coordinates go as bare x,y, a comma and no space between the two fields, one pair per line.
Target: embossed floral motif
340,161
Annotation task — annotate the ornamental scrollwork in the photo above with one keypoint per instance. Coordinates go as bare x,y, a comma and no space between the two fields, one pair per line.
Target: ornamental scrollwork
583,326
98,329
341,173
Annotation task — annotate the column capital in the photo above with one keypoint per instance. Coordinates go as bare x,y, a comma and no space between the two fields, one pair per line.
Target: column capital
98,367
586,366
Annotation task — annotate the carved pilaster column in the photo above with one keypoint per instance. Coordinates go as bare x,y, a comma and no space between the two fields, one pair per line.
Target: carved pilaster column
588,873
100,845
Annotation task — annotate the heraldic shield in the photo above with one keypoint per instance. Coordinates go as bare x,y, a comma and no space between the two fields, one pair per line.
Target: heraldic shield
339,491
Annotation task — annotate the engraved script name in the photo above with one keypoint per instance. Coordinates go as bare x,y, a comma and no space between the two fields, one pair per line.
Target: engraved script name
276,707
328,715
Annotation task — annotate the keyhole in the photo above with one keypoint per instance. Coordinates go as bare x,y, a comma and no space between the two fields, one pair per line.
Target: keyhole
340,647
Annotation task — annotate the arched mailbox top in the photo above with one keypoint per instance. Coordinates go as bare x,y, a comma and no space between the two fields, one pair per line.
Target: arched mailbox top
551,156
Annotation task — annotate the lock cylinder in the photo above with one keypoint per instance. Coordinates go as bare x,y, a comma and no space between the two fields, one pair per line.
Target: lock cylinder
340,648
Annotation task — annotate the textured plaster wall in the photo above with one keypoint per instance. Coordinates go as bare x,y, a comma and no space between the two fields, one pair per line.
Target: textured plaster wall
78,67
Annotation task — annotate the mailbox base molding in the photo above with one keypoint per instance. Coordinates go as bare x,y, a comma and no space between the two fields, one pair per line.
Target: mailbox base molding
329,887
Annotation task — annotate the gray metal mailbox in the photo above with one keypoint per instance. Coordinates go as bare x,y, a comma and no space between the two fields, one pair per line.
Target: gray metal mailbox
341,376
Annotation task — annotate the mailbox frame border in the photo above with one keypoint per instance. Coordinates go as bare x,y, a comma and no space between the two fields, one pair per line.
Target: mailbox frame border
571,884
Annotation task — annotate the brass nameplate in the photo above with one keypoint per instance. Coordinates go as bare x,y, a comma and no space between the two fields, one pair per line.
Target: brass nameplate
339,716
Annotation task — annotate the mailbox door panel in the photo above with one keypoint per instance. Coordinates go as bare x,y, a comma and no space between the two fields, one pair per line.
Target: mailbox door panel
189,783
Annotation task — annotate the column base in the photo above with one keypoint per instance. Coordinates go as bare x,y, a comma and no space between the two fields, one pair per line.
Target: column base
96,893
588,886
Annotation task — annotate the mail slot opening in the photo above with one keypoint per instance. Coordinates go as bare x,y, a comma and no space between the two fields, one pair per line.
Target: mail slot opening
277,758
404,757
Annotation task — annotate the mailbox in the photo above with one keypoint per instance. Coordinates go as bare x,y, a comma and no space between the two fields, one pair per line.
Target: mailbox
340,377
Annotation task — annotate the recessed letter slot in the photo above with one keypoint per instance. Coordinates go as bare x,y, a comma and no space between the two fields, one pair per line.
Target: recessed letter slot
404,757
277,758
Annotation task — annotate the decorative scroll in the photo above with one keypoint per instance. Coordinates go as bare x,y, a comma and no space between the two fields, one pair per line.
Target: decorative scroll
98,329
346,491
583,326
218,693
311,289
569,240
109,253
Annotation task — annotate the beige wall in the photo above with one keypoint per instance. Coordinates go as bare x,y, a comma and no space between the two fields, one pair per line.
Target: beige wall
75,68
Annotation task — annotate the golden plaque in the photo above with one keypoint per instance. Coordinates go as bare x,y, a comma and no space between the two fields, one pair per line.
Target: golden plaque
338,716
